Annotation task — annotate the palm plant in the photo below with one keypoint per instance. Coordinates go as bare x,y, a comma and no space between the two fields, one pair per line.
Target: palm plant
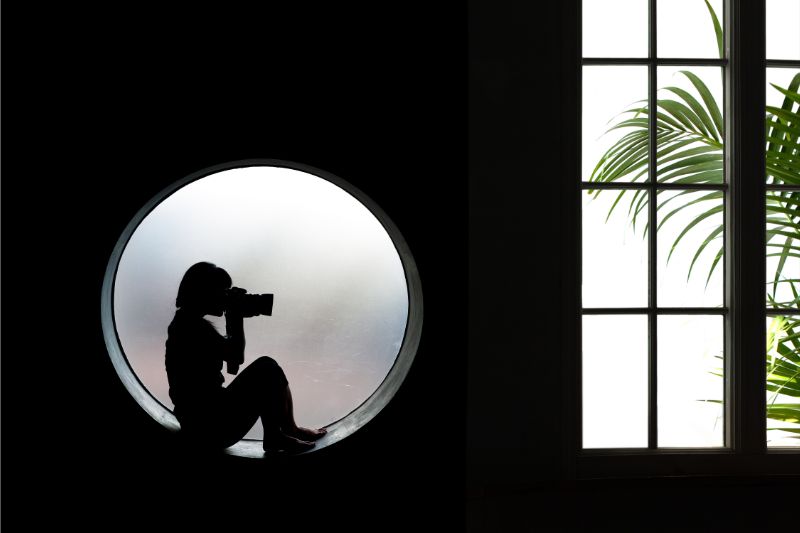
689,150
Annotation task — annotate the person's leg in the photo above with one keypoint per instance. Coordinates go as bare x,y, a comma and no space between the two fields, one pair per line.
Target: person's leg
290,427
237,415
263,386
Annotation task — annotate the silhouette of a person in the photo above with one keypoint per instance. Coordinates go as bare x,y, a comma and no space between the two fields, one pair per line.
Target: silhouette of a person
210,414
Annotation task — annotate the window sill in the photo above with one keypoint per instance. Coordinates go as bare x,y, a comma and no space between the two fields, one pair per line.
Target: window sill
596,464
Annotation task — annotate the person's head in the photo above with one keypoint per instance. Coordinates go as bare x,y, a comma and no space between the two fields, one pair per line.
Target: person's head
202,289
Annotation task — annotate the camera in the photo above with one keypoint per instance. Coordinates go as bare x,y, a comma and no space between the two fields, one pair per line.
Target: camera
247,305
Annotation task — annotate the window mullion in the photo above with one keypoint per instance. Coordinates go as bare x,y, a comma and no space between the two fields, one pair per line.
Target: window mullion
652,318
746,266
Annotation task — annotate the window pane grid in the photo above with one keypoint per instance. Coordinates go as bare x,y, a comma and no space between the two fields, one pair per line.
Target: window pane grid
777,187
652,187
689,62
657,310
783,311
781,63
591,185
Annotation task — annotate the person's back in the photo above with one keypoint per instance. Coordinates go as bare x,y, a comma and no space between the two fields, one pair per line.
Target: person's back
193,360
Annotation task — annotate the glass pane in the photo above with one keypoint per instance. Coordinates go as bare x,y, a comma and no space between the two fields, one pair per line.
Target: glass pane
690,248
690,386
614,251
614,134
614,381
783,134
615,28
341,300
783,381
783,29
686,28
783,249
690,127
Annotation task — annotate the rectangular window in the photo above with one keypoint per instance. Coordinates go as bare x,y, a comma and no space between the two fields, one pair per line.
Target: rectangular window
654,189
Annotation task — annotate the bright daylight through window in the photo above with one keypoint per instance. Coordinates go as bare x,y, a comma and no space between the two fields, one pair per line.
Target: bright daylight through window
346,311
655,192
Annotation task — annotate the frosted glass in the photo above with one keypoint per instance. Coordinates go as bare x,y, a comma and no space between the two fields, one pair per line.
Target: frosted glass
615,28
783,29
614,252
678,210
783,395
341,300
686,29
608,93
614,381
690,412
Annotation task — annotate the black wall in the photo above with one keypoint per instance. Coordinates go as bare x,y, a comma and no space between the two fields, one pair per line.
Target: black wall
517,230
104,108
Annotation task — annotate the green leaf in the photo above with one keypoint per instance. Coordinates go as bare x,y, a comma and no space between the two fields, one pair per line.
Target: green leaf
684,115
717,29
708,99
781,262
698,111
788,117
791,95
693,223
714,195
714,264
711,236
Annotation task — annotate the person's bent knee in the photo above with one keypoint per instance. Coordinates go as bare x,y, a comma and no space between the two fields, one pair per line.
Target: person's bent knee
266,362
271,369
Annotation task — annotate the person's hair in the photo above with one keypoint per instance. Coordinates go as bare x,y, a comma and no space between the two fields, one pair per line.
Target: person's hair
198,281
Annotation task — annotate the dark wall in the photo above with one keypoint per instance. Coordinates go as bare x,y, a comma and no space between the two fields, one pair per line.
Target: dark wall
519,223
103,109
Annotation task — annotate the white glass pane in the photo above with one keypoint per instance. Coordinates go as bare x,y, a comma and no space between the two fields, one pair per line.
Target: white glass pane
783,207
783,381
614,381
615,28
783,29
341,300
691,127
686,28
783,249
611,94
614,252
690,243
781,77
787,140
690,395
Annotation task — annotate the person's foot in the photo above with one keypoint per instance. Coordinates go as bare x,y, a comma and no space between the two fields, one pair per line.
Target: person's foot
307,434
281,442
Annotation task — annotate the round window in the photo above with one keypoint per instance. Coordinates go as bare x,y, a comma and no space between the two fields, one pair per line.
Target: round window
347,310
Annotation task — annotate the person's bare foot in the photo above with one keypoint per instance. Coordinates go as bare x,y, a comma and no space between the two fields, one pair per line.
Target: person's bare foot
280,442
308,434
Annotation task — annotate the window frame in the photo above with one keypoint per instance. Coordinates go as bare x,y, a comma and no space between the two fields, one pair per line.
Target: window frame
337,430
744,309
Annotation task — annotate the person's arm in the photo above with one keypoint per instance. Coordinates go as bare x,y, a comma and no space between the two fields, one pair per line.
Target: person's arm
234,341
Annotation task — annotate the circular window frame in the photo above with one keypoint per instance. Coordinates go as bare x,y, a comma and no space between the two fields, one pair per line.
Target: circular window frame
337,430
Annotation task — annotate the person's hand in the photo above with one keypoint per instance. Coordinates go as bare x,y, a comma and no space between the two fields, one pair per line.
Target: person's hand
233,306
